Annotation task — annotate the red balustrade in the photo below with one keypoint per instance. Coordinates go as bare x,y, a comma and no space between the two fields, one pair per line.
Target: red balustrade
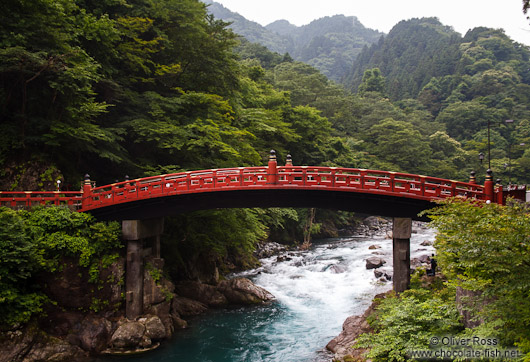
28,199
246,178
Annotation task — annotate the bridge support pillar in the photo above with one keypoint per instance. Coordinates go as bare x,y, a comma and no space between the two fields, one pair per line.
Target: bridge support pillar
401,232
134,232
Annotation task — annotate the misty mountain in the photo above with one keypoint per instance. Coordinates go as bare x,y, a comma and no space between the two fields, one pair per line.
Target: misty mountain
413,52
330,44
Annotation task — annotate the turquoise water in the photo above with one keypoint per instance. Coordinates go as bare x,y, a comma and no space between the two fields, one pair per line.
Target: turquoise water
315,292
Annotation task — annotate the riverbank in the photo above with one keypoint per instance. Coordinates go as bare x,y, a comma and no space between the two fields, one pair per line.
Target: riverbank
302,282
67,334
342,345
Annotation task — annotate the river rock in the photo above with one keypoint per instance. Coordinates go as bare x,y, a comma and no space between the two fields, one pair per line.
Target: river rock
268,249
154,328
374,262
31,345
426,243
186,307
243,291
204,293
156,292
352,328
94,333
178,322
372,247
163,311
128,335
54,349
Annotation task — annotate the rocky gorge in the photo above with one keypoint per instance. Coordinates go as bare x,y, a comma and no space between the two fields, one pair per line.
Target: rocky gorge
342,346
73,329
85,323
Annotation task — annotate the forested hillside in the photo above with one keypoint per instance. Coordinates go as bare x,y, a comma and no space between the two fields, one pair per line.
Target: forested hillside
330,44
121,87
465,83
411,54
112,90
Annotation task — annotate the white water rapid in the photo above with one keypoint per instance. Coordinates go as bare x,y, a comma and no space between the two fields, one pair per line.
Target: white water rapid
318,289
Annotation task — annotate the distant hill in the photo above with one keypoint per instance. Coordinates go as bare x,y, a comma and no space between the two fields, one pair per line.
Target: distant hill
252,31
330,44
413,52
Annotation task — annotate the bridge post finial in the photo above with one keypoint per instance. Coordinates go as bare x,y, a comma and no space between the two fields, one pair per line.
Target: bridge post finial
87,190
272,172
289,161
87,183
472,178
489,186
499,192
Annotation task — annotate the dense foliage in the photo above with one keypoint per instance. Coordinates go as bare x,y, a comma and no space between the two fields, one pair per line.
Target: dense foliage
144,87
485,248
114,89
35,242
461,85
482,249
408,322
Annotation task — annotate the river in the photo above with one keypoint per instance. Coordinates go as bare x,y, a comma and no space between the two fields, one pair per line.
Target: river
315,292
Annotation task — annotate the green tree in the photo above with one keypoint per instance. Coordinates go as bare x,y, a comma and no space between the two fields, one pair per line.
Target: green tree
35,242
372,81
484,248
463,119
449,160
398,144
314,132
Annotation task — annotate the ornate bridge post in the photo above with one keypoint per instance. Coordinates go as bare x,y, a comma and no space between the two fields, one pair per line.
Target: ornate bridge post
87,191
289,160
472,178
135,231
272,171
401,231
489,186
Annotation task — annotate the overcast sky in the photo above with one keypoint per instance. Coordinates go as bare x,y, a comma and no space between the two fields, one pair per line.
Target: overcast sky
382,15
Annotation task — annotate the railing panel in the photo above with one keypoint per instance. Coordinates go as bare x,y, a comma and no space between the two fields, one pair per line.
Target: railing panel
336,178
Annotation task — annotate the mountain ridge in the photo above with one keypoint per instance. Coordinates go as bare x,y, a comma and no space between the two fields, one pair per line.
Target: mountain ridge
330,43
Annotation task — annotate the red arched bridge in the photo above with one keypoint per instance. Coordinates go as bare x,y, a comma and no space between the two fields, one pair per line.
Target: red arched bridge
382,193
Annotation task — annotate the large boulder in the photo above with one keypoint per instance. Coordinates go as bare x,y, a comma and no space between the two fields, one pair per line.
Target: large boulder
128,335
94,333
352,328
243,291
154,328
374,262
55,349
268,249
32,345
204,293
164,313
375,222
187,307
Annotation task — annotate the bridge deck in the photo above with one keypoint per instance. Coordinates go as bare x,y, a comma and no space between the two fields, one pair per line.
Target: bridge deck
248,179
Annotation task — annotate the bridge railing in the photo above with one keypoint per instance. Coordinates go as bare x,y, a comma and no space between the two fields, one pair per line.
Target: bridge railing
340,179
173,184
239,178
28,199
377,181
